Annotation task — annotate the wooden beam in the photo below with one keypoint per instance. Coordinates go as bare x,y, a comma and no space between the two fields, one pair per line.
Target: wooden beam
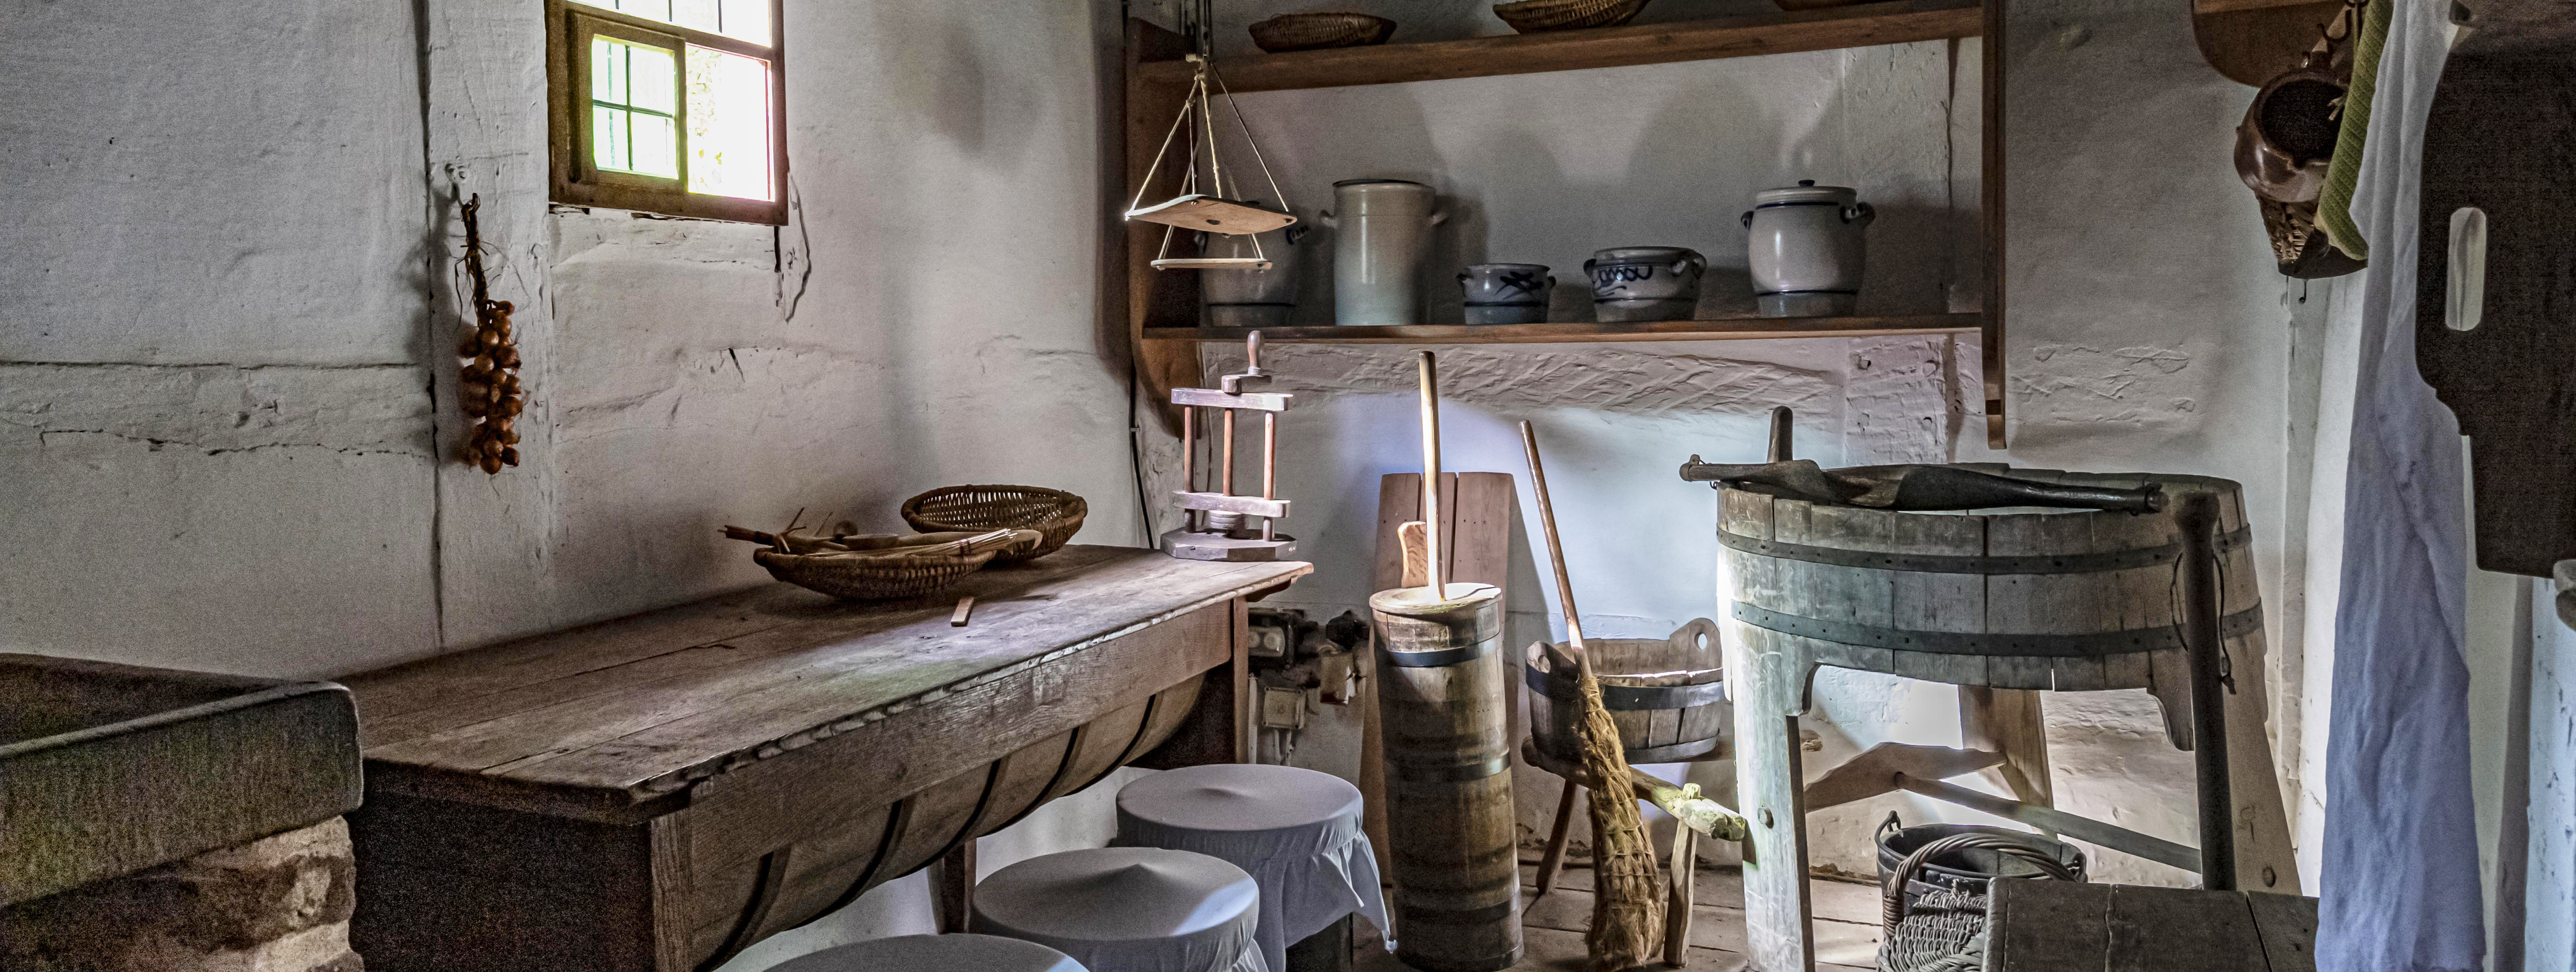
1860,25
1567,332
2117,838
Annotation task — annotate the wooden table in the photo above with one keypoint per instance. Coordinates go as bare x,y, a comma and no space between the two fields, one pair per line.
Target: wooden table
659,792
2059,926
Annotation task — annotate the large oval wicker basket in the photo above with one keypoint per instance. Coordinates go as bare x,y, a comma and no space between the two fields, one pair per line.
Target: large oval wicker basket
1536,16
1053,513
888,567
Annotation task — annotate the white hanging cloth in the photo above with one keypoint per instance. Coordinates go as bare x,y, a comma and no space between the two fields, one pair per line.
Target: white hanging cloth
2400,888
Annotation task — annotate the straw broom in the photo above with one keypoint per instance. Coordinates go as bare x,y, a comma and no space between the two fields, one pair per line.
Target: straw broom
1627,901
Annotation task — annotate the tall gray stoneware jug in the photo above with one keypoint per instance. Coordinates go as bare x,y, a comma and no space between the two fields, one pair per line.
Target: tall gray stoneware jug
1381,236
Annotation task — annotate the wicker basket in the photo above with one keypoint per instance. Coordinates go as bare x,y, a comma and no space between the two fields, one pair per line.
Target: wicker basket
881,568
1054,513
1310,31
1533,16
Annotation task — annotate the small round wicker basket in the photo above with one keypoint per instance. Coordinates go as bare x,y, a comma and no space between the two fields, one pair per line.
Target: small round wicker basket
888,567
1312,31
1053,513
1533,16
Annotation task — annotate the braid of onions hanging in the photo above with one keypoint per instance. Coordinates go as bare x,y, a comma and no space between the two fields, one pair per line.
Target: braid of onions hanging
489,394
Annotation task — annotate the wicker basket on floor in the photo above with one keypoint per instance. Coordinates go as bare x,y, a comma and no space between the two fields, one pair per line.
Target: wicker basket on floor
882,568
1053,513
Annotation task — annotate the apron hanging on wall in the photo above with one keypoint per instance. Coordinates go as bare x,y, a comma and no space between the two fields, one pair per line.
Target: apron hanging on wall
2400,888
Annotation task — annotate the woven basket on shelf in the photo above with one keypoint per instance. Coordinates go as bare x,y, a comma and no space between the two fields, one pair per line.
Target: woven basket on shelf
1310,31
1533,16
1053,513
883,568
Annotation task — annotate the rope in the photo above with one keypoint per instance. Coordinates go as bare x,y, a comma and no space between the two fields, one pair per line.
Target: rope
1275,192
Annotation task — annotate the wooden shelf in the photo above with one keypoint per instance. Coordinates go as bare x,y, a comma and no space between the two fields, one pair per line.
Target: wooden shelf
1733,329
1861,25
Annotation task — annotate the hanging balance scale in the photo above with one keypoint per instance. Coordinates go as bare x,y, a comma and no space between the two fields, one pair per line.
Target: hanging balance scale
1207,205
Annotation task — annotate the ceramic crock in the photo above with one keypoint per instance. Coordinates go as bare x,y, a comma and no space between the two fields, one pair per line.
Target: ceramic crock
1506,293
1381,234
1806,249
1252,298
1644,283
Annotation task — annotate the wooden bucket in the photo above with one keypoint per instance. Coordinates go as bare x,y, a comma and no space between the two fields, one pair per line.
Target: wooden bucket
1448,778
1667,695
2021,598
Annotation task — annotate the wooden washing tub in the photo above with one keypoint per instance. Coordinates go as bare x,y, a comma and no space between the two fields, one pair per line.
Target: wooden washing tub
1668,696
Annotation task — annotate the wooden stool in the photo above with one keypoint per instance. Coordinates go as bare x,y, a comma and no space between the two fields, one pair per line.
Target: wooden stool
1678,883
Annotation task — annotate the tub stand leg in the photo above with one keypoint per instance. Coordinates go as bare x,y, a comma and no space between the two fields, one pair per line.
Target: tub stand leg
1554,860
1677,904
1769,683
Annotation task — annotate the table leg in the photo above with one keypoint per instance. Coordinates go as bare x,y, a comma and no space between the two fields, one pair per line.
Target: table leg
955,876
1768,684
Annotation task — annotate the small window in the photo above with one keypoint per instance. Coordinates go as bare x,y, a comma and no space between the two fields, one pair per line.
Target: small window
669,106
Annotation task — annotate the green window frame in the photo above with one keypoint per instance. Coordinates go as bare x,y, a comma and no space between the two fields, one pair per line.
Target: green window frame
619,93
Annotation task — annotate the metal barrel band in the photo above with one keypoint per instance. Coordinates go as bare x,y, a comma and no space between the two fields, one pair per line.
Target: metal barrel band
1413,911
1438,658
1411,771
1452,628
2092,645
1493,860
1636,755
1629,696
2083,563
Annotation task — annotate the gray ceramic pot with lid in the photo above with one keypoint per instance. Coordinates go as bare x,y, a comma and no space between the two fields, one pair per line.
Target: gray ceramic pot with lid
1806,248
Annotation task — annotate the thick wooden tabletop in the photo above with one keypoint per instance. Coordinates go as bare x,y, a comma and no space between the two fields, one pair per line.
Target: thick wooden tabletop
633,708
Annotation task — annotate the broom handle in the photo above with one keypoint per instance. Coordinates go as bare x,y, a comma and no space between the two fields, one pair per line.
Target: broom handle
1433,569
1555,551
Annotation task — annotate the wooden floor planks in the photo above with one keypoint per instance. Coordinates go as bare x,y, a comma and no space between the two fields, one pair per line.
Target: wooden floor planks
1846,925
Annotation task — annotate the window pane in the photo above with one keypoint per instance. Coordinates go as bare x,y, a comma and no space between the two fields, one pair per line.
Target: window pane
696,14
609,148
607,71
657,149
745,20
633,95
729,124
652,74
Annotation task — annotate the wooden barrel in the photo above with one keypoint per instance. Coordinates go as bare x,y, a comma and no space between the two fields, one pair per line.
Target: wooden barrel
1448,778
1667,695
883,840
2062,599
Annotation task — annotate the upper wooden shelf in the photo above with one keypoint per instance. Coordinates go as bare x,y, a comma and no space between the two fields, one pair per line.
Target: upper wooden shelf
1861,25
1731,329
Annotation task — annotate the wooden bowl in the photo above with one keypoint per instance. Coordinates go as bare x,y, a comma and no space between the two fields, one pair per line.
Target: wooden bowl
1534,16
1313,31
1053,513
